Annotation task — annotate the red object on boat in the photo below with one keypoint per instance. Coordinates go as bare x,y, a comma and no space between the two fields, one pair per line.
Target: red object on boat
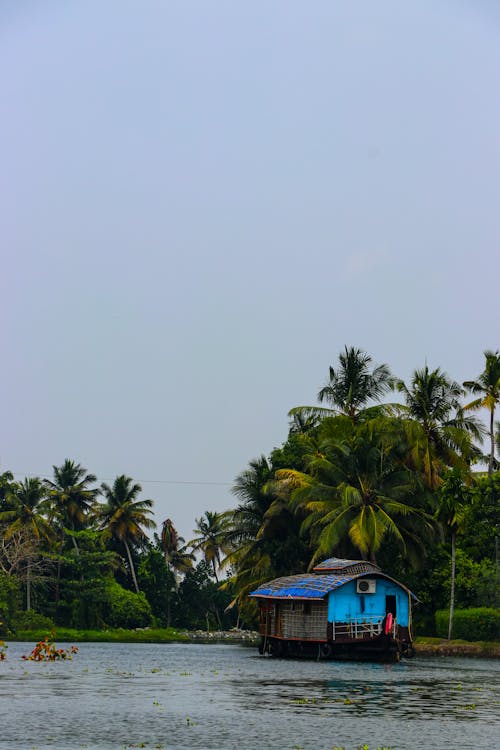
388,623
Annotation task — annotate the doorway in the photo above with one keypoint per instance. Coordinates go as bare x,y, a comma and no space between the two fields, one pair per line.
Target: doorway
390,605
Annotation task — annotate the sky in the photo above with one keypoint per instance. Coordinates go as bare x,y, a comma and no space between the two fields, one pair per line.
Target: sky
202,203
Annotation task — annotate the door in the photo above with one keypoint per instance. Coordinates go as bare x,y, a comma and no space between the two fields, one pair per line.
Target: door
390,605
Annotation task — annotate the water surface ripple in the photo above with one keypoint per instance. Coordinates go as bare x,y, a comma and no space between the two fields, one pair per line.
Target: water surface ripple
226,697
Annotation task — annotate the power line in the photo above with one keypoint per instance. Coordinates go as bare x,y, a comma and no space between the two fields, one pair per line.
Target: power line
143,481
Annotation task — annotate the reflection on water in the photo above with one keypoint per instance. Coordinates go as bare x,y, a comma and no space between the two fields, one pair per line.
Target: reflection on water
178,696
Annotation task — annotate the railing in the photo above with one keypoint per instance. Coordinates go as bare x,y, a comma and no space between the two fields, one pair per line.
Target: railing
369,626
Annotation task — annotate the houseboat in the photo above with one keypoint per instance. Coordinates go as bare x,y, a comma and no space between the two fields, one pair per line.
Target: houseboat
343,609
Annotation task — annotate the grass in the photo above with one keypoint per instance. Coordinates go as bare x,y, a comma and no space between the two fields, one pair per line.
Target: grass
119,635
427,646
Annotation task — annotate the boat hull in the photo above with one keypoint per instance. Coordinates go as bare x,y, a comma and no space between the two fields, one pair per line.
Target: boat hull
384,648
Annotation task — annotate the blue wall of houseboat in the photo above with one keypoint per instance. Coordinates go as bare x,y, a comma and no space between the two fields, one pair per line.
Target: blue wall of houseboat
344,603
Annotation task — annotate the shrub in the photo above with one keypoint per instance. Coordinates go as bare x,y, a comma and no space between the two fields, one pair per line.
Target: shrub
32,621
10,601
127,609
480,624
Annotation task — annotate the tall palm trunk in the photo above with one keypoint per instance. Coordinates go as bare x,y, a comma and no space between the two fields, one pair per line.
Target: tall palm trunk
169,612
492,443
452,591
58,575
28,586
131,564
75,545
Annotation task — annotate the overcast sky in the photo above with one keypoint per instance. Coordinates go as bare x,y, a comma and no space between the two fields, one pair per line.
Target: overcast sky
201,203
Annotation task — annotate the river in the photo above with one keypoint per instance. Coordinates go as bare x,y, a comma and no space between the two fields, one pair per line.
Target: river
226,697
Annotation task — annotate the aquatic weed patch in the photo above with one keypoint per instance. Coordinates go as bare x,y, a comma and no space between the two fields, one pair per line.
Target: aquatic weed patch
326,700
46,650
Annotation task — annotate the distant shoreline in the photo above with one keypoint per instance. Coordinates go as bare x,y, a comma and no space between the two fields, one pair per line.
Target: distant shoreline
423,646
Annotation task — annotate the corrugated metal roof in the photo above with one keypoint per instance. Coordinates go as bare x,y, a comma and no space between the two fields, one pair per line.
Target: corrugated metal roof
337,563
307,586
302,586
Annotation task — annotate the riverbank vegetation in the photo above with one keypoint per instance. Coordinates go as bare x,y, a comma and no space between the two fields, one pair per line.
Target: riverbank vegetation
380,469
116,635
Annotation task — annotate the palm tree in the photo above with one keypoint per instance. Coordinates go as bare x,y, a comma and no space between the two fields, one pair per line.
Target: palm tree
71,496
174,549
6,480
176,556
439,432
487,387
250,489
211,532
300,424
169,539
248,558
124,518
497,442
356,487
260,543
350,387
451,512
26,500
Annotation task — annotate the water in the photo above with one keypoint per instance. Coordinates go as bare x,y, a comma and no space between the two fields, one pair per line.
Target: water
226,697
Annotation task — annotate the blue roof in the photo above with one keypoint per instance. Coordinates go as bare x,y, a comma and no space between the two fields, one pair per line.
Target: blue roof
302,586
313,586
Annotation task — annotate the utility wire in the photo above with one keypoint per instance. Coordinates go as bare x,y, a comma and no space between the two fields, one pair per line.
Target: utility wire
144,481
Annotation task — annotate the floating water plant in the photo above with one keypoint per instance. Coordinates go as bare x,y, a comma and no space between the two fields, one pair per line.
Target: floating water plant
46,650
3,647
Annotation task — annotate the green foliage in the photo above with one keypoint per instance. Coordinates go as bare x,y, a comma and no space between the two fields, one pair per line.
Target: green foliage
32,621
126,609
116,635
479,624
158,584
201,603
80,595
86,603
481,525
356,487
475,584
10,601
